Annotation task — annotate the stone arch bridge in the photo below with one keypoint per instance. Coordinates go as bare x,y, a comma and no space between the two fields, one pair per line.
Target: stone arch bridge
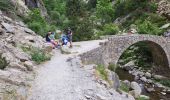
111,50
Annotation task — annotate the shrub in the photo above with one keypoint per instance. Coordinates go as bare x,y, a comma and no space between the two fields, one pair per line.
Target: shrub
110,29
165,82
5,5
147,27
112,67
3,62
124,87
37,54
102,72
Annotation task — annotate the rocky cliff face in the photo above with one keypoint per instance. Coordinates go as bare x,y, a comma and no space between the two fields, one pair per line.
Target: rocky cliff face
16,77
22,6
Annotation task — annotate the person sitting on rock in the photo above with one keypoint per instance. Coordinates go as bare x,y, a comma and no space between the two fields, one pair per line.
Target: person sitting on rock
48,39
63,38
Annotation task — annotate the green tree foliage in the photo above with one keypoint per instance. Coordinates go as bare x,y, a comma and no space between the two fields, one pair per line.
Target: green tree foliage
124,7
5,5
38,23
146,27
56,10
92,4
105,11
140,53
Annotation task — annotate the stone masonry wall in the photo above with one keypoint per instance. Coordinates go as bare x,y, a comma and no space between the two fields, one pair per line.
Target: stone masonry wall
110,51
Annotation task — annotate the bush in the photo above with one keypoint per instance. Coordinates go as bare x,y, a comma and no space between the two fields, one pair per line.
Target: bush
165,82
5,5
37,54
112,67
102,72
124,87
147,27
3,62
110,29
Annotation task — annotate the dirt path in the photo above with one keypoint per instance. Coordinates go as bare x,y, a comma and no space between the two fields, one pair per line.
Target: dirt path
62,78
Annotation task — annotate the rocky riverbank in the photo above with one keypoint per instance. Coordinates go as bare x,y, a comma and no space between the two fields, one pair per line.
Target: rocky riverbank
147,83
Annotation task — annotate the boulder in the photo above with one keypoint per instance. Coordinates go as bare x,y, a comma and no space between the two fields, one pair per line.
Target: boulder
65,49
115,79
17,66
136,89
48,47
158,77
127,83
129,66
28,31
145,97
148,75
150,89
165,26
28,65
9,28
143,79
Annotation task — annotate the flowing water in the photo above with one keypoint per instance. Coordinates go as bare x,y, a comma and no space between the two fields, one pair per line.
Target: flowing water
154,95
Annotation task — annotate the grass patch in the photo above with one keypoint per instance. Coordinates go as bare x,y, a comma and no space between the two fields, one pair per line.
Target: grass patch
165,82
3,62
124,87
37,54
101,71
112,67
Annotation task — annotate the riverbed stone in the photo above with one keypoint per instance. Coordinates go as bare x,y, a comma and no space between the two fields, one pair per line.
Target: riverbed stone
145,97
114,78
148,75
159,77
29,65
150,89
143,79
127,83
136,89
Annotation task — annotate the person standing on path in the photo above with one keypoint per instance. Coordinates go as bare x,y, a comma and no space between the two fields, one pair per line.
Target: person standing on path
69,36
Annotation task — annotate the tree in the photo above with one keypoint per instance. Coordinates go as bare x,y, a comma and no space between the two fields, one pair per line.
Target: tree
105,10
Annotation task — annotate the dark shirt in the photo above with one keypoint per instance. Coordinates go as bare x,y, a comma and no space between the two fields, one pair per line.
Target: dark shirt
47,38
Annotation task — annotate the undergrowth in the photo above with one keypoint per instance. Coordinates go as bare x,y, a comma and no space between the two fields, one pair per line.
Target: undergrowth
37,54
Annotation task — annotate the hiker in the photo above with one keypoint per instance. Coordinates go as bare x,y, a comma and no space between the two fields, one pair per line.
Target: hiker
69,36
48,39
63,38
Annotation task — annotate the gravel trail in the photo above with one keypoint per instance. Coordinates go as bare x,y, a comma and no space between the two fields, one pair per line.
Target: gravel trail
63,78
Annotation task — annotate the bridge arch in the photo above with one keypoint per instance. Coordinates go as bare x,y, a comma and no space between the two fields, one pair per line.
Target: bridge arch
157,45
159,56
111,50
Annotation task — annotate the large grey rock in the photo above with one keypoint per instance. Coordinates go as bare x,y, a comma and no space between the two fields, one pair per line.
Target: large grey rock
165,26
65,49
9,28
143,79
48,47
27,30
29,65
127,83
159,77
148,75
136,89
16,65
129,66
115,79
